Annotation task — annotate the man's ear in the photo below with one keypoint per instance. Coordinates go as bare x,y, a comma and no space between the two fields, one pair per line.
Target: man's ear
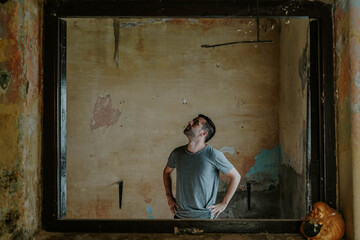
205,133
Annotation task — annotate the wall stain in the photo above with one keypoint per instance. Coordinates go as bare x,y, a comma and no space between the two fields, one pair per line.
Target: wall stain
116,25
292,203
144,191
104,114
9,181
102,207
304,64
11,219
140,45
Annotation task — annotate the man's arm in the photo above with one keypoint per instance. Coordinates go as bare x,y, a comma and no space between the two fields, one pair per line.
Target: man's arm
235,177
167,184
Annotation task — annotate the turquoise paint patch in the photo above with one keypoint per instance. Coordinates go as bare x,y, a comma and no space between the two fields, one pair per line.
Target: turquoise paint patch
357,80
354,3
355,107
267,164
343,5
149,210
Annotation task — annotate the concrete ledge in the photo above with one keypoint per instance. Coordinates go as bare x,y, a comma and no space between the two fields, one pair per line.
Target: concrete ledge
142,236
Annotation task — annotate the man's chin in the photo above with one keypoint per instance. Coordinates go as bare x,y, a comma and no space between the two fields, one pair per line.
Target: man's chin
187,131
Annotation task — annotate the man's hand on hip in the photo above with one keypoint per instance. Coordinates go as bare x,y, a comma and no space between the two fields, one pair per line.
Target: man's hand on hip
217,209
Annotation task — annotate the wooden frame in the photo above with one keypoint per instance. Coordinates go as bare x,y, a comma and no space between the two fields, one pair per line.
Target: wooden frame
321,170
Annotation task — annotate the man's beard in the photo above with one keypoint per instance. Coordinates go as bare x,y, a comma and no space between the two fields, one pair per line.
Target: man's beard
188,132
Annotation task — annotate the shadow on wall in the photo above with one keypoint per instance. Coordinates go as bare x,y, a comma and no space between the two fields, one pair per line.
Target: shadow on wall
263,205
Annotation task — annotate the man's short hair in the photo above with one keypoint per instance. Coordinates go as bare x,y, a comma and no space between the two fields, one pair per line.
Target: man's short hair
208,126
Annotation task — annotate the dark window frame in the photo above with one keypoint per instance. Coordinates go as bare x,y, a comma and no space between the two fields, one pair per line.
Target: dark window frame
321,167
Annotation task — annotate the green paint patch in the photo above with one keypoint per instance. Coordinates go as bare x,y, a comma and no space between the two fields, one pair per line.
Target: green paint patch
266,168
4,80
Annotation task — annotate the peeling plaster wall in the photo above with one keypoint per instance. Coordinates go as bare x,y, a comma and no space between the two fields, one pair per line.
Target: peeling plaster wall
294,72
20,118
347,75
133,84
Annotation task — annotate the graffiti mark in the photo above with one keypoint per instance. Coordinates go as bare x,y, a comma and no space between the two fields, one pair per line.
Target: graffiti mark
104,114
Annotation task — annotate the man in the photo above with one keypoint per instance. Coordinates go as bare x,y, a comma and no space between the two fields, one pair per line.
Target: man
197,174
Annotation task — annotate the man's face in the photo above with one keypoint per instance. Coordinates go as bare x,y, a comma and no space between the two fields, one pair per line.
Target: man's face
194,128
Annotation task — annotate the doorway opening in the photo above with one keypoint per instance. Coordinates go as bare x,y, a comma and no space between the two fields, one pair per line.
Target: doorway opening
107,73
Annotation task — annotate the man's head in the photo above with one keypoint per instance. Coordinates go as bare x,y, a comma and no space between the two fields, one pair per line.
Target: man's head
201,126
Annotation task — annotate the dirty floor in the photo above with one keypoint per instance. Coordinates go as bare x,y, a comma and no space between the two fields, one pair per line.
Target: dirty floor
138,236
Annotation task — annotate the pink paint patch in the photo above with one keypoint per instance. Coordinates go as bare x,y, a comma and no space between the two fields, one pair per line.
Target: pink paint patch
148,200
104,114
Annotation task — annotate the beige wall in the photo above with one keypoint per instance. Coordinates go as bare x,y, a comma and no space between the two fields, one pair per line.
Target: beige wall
294,73
125,115
294,67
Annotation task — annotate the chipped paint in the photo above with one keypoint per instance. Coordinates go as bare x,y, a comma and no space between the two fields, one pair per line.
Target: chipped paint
185,100
230,150
144,191
149,210
266,168
104,115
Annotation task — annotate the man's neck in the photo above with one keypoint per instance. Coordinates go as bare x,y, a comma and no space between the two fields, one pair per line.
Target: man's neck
195,146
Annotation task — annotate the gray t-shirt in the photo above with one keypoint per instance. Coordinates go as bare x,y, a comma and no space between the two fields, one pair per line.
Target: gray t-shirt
197,179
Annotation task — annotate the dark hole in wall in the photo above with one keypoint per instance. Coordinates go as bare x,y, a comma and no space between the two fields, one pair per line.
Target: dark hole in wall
4,79
11,219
